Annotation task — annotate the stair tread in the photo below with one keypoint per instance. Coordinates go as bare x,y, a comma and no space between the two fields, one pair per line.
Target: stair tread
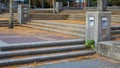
115,30
42,50
58,27
45,56
54,30
56,23
41,44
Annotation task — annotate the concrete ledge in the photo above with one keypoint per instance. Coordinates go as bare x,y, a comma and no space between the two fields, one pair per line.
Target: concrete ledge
110,49
41,51
44,58
42,44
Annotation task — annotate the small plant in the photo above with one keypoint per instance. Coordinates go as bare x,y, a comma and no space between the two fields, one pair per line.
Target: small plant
90,44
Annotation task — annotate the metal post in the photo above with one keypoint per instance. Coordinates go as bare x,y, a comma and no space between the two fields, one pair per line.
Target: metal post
42,4
11,15
68,4
89,3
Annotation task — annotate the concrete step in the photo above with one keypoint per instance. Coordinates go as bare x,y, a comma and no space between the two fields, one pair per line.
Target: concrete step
41,11
14,61
115,36
52,16
42,44
115,31
41,18
6,15
59,24
41,50
82,36
6,23
115,27
73,29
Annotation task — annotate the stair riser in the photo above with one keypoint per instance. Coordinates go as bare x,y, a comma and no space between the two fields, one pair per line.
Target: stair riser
42,44
82,36
45,58
59,24
115,37
115,28
41,52
59,28
115,32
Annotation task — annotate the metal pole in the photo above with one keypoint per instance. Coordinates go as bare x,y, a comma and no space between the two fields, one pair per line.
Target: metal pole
11,15
89,3
42,4
68,4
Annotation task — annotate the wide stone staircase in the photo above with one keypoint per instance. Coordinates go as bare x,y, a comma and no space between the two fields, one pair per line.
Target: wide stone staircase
76,30
6,15
48,16
17,54
4,19
41,10
76,17
115,32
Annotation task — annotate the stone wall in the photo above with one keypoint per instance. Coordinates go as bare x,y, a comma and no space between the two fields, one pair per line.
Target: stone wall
109,49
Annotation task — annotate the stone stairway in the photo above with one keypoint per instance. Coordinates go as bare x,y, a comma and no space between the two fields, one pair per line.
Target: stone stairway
48,16
4,19
76,30
63,28
76,17
16,54
4,23
6,15
115,32
41,10
75,11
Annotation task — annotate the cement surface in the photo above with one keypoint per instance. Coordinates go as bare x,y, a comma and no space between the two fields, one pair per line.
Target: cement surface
92,63
17,39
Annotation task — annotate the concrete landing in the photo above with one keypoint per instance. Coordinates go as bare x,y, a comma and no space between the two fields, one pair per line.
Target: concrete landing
17,39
